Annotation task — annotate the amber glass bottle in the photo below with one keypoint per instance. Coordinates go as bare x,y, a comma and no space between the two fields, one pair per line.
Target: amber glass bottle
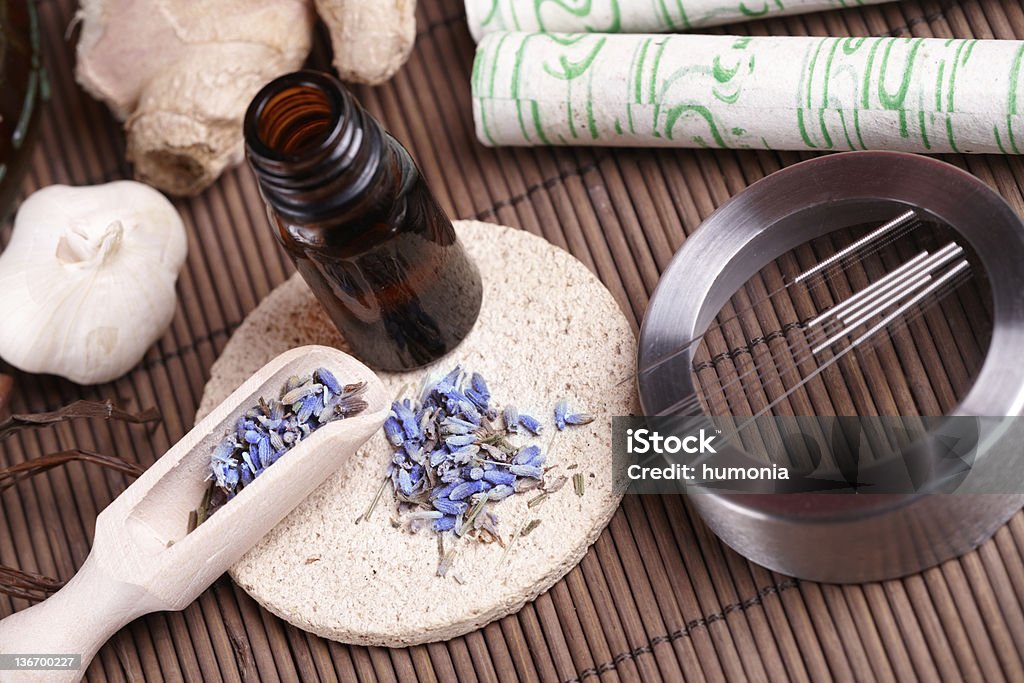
353,212
22,92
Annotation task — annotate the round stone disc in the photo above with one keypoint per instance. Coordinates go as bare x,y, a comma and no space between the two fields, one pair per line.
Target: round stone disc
548,329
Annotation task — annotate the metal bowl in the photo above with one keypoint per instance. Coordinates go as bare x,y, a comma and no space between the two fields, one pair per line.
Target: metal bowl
842,538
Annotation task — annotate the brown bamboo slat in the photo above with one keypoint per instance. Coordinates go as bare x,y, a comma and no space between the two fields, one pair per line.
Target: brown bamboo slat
658,597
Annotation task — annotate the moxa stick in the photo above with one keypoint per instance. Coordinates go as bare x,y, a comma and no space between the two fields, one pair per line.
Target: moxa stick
630,16
785,93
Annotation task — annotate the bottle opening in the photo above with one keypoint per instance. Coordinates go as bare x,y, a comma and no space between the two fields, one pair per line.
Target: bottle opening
296,121
311,146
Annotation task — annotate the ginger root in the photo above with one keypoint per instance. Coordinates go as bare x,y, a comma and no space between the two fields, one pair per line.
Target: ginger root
181,74
372,39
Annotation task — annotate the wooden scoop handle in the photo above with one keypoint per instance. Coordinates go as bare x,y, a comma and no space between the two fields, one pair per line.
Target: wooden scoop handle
143,560
77,620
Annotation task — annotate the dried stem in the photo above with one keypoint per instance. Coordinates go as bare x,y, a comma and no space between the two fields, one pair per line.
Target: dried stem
79,410
9,476
27,586
34,587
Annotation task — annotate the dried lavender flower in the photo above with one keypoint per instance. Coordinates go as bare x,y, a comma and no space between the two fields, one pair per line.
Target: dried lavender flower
445,523
511,419
267,431
393,430
479,386
459,441
453,460
500,477
565,416
299,393
349,402
561,410
468,488
531,424
450,507
527,455
500,492
527,471
327,378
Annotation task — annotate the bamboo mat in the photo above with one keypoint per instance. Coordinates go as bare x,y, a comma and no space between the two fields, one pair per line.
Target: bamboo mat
658,597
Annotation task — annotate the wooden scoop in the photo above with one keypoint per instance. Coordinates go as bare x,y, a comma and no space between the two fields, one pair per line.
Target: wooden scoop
144,560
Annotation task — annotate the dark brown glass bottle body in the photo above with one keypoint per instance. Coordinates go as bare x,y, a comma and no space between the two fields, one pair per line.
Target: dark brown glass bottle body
354,214
21,96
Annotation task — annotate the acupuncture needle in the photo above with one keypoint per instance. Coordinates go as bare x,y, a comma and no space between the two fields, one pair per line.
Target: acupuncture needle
692,401
877,239
913,279
898,316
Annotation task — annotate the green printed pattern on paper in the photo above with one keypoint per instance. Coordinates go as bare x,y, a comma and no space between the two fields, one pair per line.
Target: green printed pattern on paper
629,16
800,93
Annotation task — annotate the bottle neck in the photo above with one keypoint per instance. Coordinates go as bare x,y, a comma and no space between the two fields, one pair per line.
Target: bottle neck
317,155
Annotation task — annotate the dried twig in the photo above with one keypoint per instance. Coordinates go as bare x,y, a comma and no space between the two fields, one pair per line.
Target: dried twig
9,476
27,586
34,587
104,410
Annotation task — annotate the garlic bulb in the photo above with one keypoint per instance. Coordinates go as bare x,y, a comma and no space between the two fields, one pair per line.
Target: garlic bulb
87,281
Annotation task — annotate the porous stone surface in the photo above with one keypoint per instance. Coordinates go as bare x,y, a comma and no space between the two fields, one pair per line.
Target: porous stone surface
548,329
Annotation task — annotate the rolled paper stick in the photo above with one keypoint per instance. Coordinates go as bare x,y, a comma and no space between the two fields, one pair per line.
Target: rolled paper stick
630,16
792,93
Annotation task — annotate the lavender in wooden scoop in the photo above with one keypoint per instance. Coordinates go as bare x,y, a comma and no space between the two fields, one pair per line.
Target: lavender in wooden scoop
269,430
143,561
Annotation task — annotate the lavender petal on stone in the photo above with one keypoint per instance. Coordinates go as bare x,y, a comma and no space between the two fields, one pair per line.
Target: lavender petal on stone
531,424
455,458
561,410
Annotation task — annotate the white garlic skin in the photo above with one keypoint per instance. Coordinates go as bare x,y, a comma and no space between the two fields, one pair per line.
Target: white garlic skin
87,283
